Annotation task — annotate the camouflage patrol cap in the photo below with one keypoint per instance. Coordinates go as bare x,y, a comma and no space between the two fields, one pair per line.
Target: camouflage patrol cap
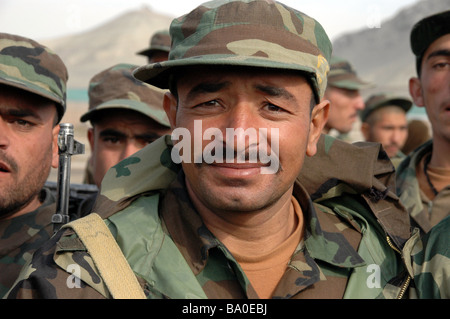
426,31
116,88
252,33
160,41
30,66
377,101
342,75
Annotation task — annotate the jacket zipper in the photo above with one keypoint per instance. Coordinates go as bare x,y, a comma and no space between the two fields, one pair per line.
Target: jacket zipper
408,278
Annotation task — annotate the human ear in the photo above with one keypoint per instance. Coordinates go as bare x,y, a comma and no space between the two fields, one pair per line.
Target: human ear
415,90
365,127
55,150
170,104
319,117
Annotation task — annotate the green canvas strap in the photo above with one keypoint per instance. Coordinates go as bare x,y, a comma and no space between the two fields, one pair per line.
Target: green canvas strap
108,257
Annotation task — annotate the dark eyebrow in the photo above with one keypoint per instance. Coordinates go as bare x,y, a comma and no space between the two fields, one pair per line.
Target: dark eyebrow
274,91
206,87
22,113
111,132
443,52
150,136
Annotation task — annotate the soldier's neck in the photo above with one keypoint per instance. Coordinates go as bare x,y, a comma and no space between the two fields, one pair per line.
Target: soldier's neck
441,153
29,207
254,233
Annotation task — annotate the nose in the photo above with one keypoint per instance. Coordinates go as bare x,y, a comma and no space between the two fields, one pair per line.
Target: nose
359,102
240,115
130,148
239,125
398,136
4,137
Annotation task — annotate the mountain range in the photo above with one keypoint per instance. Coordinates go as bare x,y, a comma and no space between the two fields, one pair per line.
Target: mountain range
383,55
380,54
116,41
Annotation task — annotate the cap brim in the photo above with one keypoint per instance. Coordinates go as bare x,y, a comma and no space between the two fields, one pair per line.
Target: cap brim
150,51
403,103
145,52
158,74
156,115
351,84
38,91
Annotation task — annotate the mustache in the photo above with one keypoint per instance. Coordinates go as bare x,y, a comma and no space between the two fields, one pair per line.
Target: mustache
270,163
225,153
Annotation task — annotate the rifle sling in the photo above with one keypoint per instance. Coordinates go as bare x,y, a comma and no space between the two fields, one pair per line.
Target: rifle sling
107,256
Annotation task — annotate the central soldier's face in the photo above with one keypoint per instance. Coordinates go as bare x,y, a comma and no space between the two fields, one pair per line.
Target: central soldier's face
246,134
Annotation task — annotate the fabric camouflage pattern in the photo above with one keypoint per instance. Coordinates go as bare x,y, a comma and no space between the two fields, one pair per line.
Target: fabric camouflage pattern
160,41
343,75
30,66
425,213
343,227
116,88
21,236
430,263
250,33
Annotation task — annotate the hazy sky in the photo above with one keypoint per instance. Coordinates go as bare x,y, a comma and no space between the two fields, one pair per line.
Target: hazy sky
43,19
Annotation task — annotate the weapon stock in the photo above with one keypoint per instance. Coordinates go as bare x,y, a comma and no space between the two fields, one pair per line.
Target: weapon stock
67,146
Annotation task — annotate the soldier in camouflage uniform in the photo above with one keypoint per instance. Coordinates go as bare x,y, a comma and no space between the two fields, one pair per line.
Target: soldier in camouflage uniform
32,102
384,121
343,92
159,48
324,225
423,182
125,115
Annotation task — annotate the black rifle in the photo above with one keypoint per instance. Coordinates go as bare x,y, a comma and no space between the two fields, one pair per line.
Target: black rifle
67,146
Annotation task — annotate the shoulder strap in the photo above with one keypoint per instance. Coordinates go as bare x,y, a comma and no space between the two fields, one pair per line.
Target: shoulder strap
111,263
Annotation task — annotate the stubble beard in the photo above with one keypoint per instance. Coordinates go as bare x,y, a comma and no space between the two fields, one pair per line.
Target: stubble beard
22,192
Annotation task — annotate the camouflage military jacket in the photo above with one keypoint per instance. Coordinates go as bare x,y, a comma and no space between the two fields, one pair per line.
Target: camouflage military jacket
425,213
355,231
21,236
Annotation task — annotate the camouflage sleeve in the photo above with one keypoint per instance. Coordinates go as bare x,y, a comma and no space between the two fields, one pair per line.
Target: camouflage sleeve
55,270
431,263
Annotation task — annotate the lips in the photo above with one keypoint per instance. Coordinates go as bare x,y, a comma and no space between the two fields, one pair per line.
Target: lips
4,168
237,171
239,165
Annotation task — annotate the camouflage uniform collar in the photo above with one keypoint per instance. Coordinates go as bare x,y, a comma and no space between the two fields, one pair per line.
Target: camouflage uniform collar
361,168
194,239
408,188
185,225
46,198
320,234
28,224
